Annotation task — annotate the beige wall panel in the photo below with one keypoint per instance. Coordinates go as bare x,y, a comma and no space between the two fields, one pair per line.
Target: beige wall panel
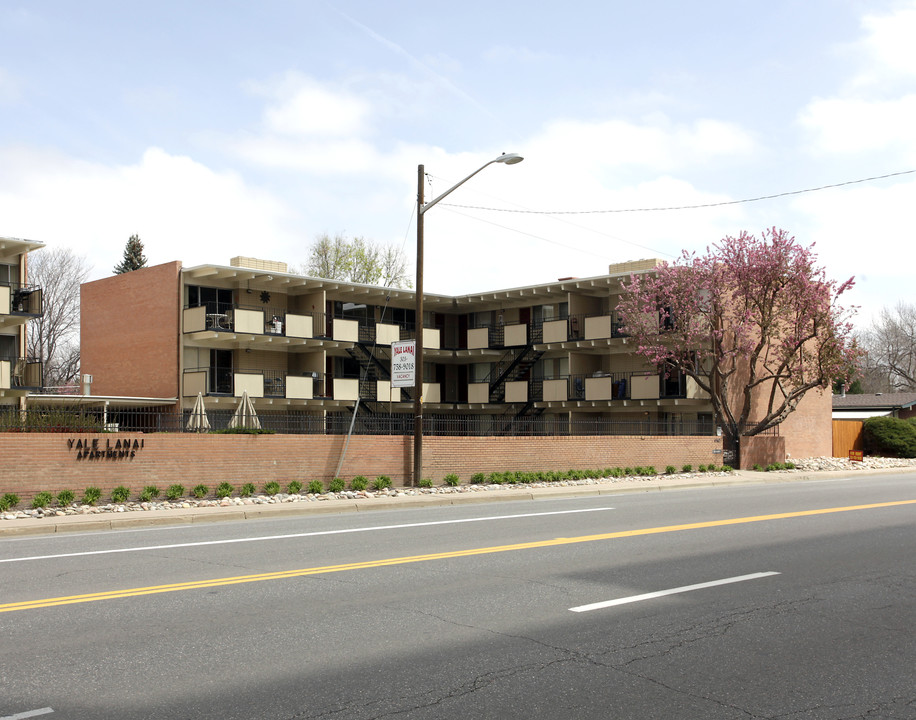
478,338
386,334
385,393
516,335
345,388
346,331
517,391
431,338
644,387
248,321
253,384
300,326
431,393
194,382
556,390
478,393
597,327
598,388
555,331
299,387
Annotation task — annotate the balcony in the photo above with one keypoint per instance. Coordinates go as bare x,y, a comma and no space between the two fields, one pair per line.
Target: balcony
19,303
20,375
594,387
582,327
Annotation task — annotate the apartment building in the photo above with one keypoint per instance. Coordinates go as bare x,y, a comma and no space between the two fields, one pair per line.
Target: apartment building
314,346
19,303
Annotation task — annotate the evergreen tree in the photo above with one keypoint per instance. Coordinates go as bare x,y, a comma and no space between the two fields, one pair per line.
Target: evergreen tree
133,256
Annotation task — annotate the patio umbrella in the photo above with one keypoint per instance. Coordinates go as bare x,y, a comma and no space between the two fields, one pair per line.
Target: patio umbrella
198,421
244,415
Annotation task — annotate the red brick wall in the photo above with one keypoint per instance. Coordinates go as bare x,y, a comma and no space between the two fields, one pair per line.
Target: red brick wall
50,461
129,332
808,431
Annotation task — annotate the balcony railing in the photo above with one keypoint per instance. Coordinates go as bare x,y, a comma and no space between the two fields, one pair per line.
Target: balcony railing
19,299
23,373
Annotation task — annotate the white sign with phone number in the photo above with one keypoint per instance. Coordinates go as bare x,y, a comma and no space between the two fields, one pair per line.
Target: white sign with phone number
403,363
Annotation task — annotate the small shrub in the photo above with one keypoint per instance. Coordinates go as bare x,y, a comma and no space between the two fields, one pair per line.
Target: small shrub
316,487
91,495
726,468
200,491
889,436
224,490
381,482
687,468
426,482
271,488
788,465
64,498
42,499
360,482
294,487
478,478
451,479
757,467
628,471
650,470
247,490
336,485
639,470
8,500
617,472
120,494
670,470
174,492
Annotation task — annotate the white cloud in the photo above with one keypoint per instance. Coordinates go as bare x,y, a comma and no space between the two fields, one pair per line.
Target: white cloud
855,125
890,40
179,208
303,107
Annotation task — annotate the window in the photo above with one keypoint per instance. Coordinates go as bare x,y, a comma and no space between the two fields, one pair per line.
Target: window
216,300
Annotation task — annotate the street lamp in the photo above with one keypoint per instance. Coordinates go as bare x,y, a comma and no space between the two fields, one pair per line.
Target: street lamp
506,159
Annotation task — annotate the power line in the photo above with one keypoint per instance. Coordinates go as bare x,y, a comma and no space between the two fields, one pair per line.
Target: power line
683,207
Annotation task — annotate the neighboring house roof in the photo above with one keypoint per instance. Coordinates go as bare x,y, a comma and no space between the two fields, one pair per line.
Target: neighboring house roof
870,405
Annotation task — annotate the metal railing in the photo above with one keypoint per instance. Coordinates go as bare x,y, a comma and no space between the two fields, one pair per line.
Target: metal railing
24,299
93,419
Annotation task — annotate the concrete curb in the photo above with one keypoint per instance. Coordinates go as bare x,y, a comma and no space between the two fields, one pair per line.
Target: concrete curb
133,520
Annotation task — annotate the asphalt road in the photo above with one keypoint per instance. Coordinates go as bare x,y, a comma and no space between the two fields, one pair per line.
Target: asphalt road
774,601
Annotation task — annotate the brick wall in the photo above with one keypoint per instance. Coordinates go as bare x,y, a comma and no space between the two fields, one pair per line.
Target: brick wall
53,462
129,328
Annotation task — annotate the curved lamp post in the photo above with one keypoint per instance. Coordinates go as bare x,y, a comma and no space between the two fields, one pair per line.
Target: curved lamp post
506,159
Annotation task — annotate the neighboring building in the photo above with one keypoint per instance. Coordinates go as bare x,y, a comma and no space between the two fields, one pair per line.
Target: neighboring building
19,302
310,347
860,407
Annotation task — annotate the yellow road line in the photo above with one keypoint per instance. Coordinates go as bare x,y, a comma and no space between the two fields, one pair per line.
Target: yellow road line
218,582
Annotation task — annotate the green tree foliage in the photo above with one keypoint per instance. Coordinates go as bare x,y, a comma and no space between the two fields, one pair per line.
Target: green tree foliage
357,260
133,256
890,436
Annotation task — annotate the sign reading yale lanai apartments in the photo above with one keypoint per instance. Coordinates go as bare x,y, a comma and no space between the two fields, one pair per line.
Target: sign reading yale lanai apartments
107,449
403,363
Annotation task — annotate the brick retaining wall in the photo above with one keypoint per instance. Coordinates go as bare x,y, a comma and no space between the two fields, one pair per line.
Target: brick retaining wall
54,462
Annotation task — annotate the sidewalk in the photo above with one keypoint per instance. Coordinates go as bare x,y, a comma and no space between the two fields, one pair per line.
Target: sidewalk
186,516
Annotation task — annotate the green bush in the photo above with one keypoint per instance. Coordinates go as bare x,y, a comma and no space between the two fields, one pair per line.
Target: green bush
174,492
150,492
224,490
64,498
650,470
728,468
316,487
8,500
381,482
42,499
426,483
271,488
360,482
628,471
91,495
294,487
670,470
336,485
451,479
478,478
888,436
120,494
247,490
200,491
758,467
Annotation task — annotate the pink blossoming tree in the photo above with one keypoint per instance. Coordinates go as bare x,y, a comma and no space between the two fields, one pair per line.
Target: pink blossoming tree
754,322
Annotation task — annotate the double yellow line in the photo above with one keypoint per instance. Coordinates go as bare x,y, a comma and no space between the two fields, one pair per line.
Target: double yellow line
322,570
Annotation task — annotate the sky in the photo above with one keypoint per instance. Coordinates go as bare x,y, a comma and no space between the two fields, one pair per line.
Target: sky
218,128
